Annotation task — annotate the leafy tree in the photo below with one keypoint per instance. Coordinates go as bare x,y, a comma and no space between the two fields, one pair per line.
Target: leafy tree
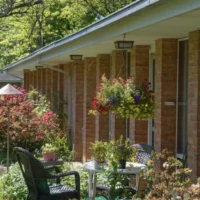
106,7
9,8
27,25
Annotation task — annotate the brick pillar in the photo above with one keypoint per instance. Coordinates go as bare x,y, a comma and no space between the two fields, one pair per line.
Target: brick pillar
26,78
88,120
49,83
118,68
43,80
194,104
67,93
77,107
102,121
39,77
31,79
138,129
54,91
165,90
35,79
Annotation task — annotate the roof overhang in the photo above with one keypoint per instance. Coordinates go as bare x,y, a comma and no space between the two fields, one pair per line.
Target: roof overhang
144,22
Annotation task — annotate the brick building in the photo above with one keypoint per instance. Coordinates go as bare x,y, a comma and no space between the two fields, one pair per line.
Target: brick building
166,50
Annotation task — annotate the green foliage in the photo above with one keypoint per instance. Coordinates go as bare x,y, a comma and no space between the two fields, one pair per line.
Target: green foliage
40,102
14,187
104,8
69,180
35,126
115,181
120,149
41,24
48,148
99,150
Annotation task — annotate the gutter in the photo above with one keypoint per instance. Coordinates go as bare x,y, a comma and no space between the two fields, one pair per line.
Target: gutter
114,17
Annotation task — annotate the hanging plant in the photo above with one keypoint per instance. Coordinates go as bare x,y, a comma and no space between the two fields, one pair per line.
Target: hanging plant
125,98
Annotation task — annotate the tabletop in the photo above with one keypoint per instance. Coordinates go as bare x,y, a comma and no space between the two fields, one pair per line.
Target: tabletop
131,167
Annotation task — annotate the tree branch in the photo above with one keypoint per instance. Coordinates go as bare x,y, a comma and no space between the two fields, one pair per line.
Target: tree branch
10,8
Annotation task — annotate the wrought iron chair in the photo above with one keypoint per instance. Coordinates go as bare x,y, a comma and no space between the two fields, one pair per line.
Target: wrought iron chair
36,177
143,153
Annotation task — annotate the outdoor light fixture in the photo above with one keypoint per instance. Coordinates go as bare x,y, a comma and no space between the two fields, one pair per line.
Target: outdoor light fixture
76,57
124,44
39,67
8,98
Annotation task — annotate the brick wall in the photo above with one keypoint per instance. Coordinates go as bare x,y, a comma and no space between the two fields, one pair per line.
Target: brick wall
35,80
102,121
49,83
39,79
118,68
166,84
43,80
89,121
77,104
31,79
140,71
194,104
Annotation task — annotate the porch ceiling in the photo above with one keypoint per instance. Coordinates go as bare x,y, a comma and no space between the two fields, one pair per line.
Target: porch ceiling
163,19
177,27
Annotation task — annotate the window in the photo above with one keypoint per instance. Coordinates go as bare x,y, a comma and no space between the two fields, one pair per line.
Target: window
182,104
152,80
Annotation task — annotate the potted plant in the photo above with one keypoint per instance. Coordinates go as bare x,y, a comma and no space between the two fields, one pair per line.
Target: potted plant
48,152
124,98
121,151
99,150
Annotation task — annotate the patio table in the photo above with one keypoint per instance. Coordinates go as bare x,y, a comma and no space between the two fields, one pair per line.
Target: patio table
131,169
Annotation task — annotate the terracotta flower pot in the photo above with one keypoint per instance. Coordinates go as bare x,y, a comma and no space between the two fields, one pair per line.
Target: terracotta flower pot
49,156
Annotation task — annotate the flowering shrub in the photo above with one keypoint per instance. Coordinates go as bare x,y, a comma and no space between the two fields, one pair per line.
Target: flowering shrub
125,98
168,183
29,127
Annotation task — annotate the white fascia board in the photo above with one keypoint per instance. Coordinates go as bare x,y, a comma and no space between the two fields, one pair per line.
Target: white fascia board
130,18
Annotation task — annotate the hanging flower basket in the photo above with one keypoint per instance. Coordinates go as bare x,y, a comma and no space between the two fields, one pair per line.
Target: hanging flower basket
124,98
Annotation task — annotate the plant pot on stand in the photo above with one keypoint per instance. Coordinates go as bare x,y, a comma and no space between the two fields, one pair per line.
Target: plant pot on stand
48,152
49,156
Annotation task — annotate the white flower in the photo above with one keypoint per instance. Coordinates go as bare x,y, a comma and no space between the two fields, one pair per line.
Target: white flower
166,165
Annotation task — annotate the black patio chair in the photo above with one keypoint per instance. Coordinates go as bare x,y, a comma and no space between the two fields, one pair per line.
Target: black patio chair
144,152
36,177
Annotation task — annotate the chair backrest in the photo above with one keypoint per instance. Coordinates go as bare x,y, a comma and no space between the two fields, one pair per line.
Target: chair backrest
33,172
143,153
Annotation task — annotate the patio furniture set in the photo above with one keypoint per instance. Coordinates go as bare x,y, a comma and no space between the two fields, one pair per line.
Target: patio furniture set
37,174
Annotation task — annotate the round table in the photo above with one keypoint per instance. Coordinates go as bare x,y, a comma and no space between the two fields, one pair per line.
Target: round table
131,168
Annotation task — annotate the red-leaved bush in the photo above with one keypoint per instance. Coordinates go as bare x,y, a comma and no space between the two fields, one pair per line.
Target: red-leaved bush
28,129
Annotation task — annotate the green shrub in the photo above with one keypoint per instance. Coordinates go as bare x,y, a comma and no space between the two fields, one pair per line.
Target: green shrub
14,187
35,126
172,181
69,180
